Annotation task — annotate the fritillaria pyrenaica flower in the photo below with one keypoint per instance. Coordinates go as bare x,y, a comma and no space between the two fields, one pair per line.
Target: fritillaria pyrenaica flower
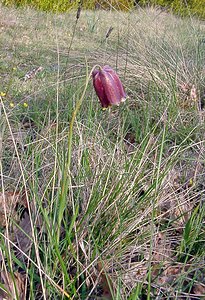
108,86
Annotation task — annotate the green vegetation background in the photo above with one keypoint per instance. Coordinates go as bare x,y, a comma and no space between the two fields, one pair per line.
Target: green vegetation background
182,7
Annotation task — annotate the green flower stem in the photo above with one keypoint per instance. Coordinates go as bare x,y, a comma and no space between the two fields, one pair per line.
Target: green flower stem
66,176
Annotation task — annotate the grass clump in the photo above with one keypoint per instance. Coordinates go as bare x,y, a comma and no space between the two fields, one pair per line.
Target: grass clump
111,202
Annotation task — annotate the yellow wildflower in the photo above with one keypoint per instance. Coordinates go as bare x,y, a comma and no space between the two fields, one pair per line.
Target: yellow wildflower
14,68
2,94
11,104
25,104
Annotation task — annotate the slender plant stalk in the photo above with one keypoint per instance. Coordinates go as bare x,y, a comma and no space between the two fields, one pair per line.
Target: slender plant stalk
66,177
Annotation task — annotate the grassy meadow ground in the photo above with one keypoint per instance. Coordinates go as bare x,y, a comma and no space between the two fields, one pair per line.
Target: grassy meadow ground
112,207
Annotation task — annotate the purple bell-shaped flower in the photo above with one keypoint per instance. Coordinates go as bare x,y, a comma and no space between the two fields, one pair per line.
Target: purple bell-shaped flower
108,87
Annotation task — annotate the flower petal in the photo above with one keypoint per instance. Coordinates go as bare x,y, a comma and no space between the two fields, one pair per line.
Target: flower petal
117,81
100,89
111,89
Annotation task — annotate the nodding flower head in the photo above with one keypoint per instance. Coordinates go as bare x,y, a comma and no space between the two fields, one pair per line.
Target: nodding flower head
108,87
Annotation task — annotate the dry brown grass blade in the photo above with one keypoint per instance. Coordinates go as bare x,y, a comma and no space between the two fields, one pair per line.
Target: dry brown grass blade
8,203
199,290
105,282
12,290
22,236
